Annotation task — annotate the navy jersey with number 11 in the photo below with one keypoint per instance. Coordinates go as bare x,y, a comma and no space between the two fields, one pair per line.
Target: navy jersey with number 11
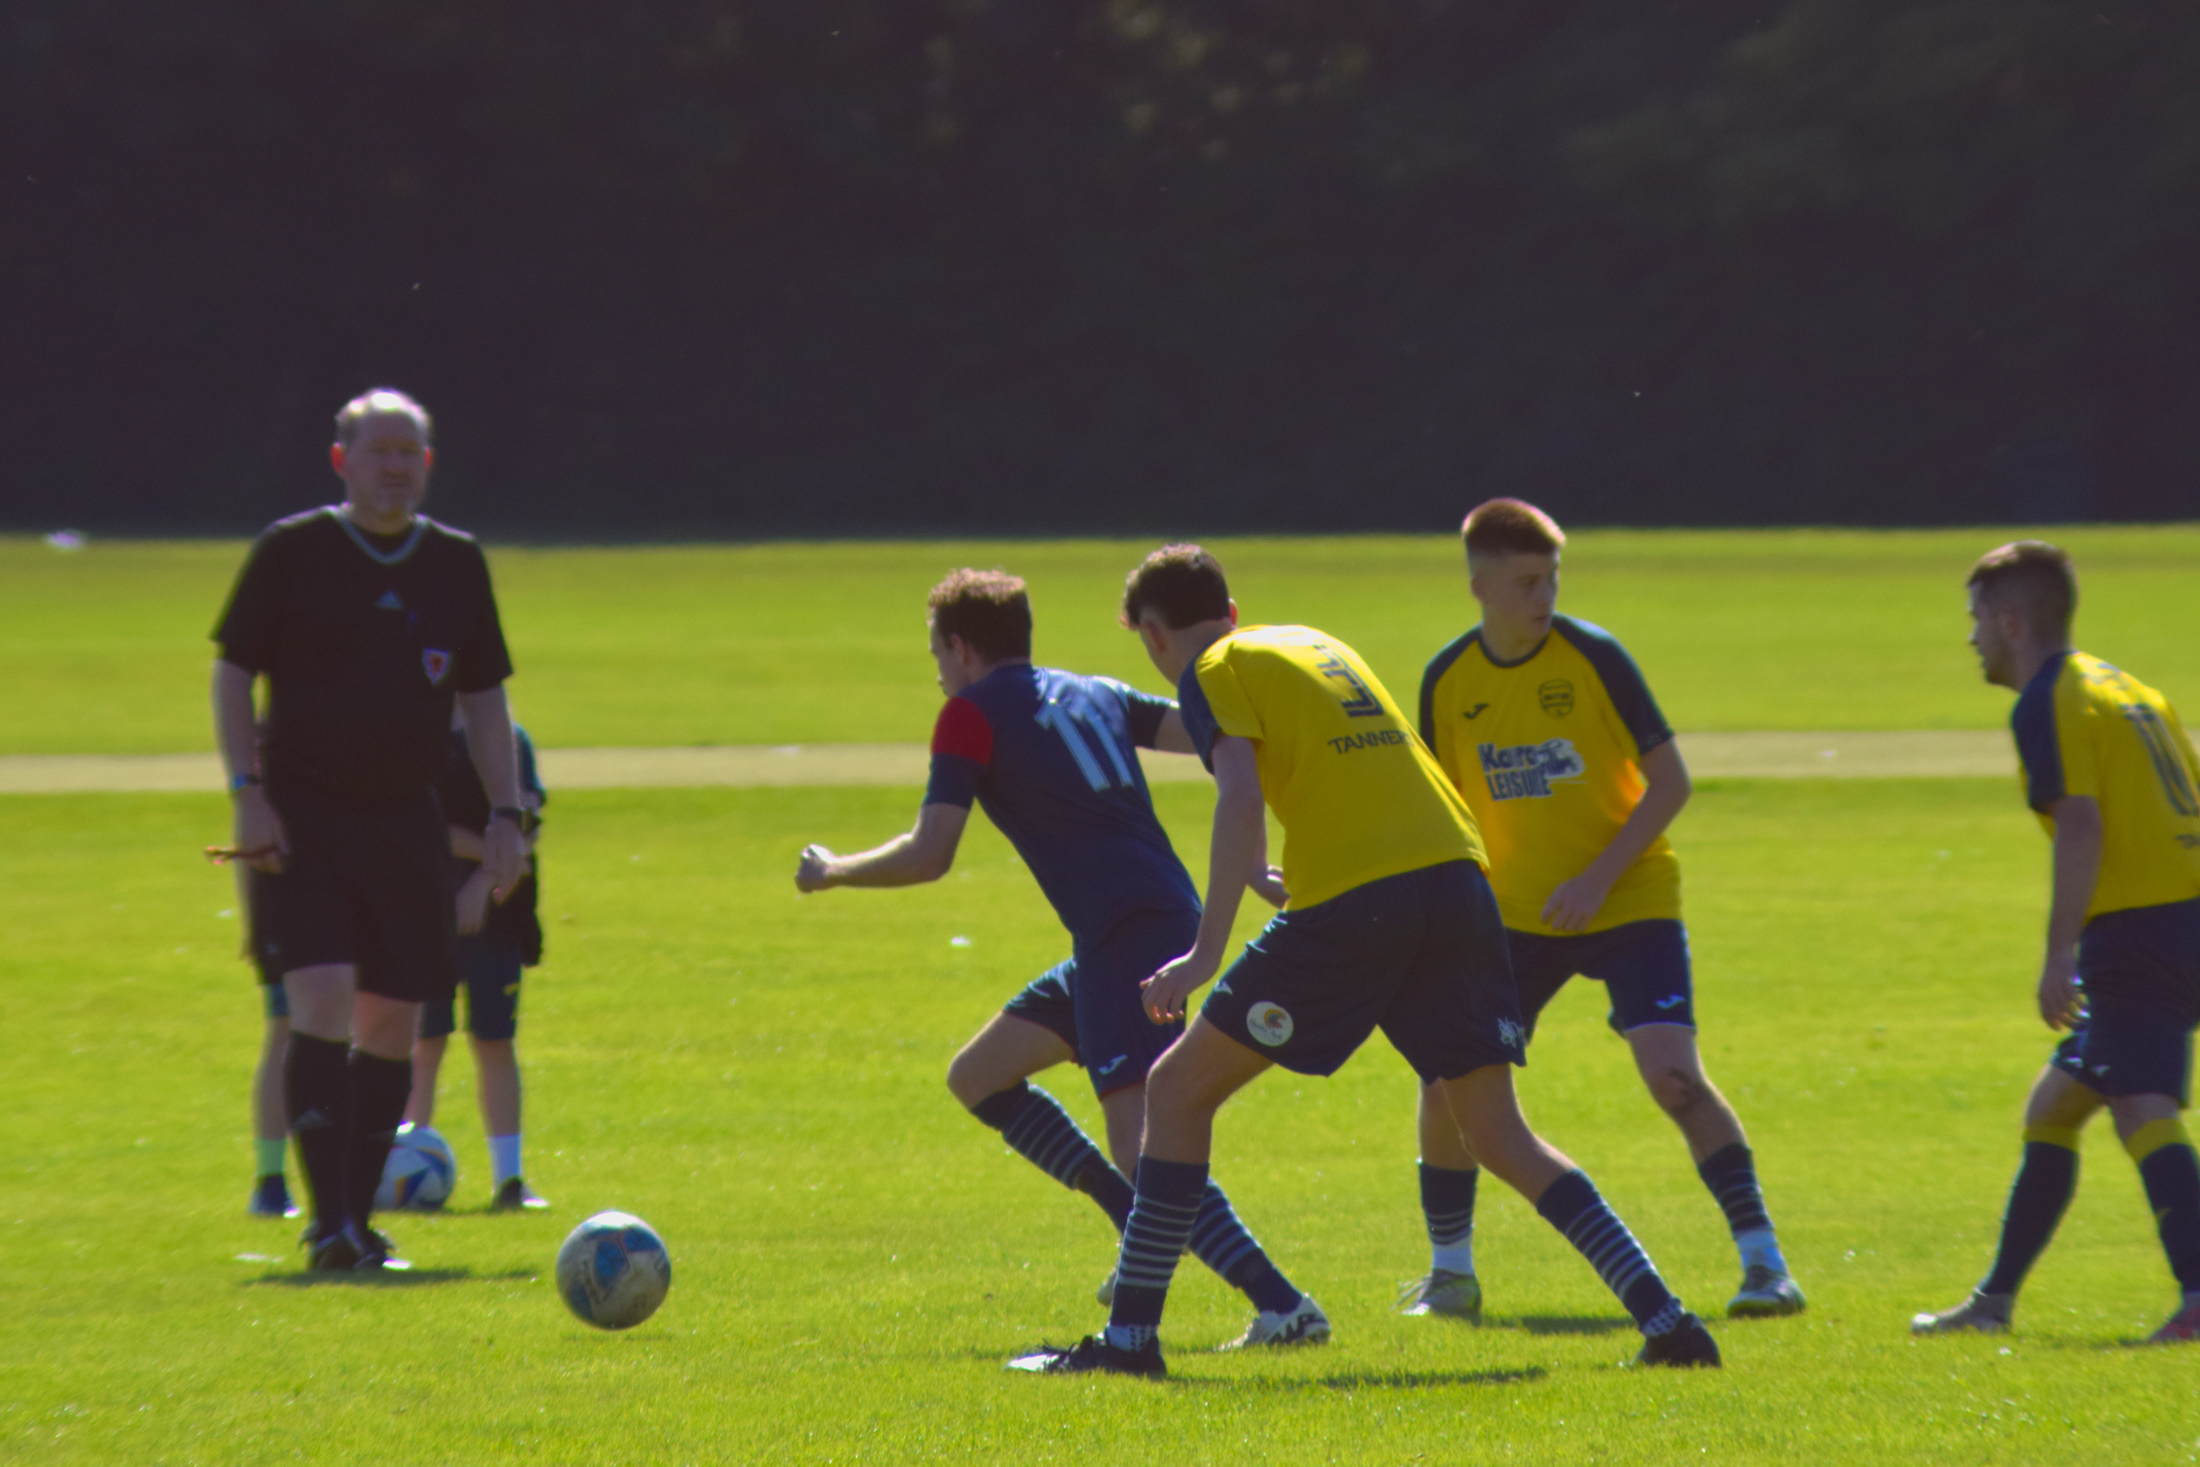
1052,758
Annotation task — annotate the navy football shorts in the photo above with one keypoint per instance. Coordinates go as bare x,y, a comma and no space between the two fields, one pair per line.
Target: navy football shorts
1642,965
1420,956
489,972
273,995
2141,969
1094,1003
364,886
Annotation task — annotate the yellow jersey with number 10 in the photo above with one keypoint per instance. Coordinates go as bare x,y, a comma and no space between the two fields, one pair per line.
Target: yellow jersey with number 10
1356,793
2085,727
1547,753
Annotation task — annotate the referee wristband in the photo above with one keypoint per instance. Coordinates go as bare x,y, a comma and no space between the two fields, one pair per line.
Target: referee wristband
513,813
237,782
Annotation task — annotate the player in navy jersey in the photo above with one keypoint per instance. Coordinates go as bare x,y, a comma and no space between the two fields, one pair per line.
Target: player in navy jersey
1053,759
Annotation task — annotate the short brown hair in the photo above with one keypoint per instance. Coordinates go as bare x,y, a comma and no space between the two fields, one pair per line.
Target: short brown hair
1510,527
2034,577
1181,584
376,403
989,609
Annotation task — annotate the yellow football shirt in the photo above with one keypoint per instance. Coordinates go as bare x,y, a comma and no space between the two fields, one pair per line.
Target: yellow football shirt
1547,754
1357,795
2085,727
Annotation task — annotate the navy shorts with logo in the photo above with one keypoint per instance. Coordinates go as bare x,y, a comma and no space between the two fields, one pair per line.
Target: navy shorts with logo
1420,956
367,886
273,996
2141,970
1094,1002
1642,965
489,972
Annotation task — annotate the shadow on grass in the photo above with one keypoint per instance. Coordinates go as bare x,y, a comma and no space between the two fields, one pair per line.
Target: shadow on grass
409,1279
1560,1324
1367,1380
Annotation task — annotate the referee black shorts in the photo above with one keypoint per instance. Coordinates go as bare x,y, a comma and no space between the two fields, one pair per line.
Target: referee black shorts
367,886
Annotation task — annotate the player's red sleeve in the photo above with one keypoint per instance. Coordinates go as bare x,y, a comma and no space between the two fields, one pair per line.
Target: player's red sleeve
962,730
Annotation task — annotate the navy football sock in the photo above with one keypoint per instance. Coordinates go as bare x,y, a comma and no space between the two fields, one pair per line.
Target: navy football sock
1447,1202
317,1087
1222,1242
1169,1197
1036,1128
1573,1205
1731,1174
2170,1170
380,1088
2046,1181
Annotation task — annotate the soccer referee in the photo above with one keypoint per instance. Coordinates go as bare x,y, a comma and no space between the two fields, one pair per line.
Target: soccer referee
366,619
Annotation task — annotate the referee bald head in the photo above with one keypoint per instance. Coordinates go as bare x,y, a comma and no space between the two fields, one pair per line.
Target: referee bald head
382,453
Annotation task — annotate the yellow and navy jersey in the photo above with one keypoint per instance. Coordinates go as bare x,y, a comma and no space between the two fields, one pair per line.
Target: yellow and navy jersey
1357,795
2085,727
1547,752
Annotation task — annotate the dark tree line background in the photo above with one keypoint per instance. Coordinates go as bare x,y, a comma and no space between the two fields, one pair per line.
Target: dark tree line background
772,267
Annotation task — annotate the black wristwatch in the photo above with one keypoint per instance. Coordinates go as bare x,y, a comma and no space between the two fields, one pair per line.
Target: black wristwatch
514,813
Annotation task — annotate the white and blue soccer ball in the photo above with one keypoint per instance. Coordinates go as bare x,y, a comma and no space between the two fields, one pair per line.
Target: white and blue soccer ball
420,1172
613,1270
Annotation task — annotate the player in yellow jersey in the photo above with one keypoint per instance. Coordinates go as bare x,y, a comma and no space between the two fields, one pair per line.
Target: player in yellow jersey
1389,923
1547,730
2112,776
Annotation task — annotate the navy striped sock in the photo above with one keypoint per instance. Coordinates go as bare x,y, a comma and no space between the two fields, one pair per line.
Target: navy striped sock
1731,1174
1036,1127
1573,1205
1221,1242
1169,1198
2046,1181
1447,1201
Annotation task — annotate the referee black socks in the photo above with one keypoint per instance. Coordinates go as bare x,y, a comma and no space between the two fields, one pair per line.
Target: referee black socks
317,1086
380,1088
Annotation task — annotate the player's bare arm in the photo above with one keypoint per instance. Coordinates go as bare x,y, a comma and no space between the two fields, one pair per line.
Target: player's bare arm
925,853
496,759
1171,737
1574,904
2077,870
1236,856
256,831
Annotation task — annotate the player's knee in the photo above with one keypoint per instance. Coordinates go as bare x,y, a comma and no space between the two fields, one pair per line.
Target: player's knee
968,1080
1680,1092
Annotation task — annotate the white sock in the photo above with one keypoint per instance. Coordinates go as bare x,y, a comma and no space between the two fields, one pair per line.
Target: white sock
1454,1257
504,1157
1760,1248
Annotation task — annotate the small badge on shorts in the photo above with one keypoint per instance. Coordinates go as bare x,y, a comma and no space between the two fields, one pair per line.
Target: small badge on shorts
1512,1035
435,663
1268,1023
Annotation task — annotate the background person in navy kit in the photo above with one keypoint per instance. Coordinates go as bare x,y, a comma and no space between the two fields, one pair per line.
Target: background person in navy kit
495,943
367,620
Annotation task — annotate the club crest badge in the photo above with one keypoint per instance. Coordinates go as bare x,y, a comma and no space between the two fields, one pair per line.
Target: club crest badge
1268,1023
1556,696
435,663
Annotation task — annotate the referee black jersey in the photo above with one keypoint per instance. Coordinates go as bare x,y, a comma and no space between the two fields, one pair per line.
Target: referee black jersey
364,640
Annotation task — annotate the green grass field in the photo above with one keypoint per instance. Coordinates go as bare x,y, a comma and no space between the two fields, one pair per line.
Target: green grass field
760,1075
105,651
